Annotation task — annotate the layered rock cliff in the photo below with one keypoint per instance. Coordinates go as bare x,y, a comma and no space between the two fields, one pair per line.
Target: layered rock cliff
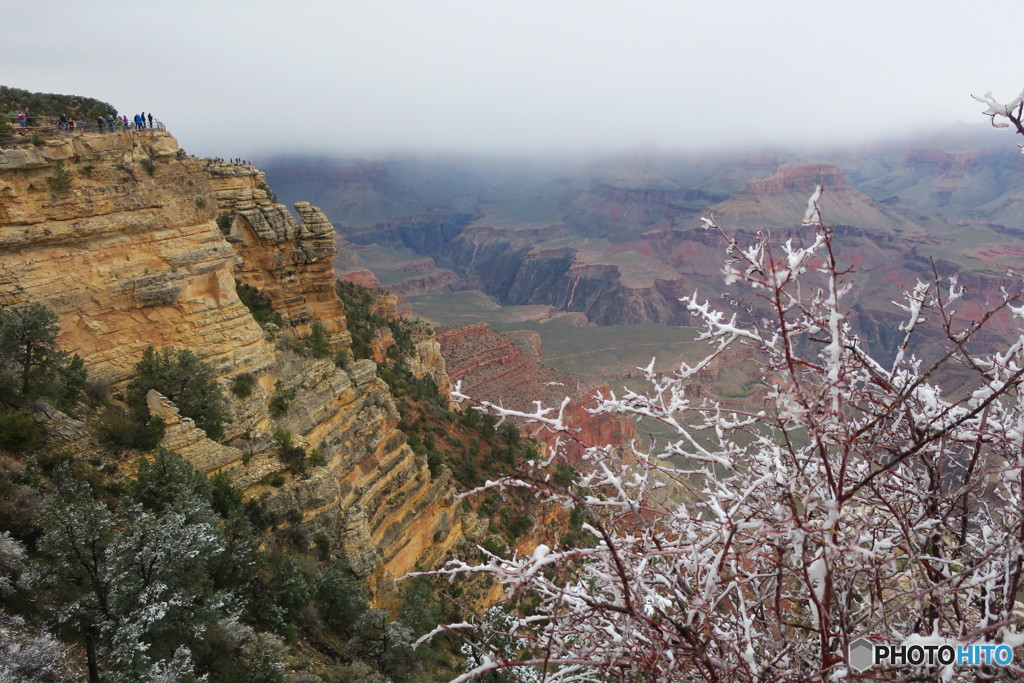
290,261
134,244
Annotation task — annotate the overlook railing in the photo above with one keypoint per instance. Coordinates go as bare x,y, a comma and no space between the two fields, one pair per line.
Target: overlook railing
53,128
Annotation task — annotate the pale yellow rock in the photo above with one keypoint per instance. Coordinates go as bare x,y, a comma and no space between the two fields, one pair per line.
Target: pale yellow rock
130,259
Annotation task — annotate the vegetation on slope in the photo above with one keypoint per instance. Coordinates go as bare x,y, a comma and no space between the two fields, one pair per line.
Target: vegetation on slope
468,443
51,104
125,563
258,303
126,576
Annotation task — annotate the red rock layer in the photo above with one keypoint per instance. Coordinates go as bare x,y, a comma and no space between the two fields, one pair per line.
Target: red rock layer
494,368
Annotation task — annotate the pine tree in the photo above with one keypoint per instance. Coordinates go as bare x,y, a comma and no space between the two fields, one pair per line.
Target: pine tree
28,349
188,382
145,583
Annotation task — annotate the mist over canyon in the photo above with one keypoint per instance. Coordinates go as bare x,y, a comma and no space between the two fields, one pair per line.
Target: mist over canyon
618,240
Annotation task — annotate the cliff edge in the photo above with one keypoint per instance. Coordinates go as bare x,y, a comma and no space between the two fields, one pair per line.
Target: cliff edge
133,243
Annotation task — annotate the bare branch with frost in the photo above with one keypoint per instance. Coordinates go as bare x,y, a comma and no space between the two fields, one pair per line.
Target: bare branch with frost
861,499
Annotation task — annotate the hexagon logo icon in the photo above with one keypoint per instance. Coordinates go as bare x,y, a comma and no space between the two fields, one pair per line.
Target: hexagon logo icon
861,655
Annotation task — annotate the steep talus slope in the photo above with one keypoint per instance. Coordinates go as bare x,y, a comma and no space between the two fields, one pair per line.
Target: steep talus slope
129,254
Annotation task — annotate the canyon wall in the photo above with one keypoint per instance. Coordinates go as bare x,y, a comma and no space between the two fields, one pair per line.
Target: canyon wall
135,244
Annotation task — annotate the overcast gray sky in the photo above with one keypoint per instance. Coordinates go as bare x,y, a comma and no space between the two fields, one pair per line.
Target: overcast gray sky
240,77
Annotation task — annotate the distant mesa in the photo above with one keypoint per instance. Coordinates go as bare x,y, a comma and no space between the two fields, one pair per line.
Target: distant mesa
780,199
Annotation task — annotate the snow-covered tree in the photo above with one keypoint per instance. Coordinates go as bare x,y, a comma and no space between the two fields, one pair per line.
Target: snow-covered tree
139,583
861,499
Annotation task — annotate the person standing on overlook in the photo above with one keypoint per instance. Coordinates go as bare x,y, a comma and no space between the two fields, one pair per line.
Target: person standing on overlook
150,117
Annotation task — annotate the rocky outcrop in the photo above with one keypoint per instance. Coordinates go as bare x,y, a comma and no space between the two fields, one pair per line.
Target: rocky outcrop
428,360
290,261
128,255
131,254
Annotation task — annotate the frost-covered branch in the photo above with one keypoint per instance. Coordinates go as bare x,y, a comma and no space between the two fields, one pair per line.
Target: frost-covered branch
861,498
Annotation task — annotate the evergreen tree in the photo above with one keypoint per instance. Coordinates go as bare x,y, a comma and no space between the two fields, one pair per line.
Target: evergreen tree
318,344
340,597
76,534
145,584
185,380
29,351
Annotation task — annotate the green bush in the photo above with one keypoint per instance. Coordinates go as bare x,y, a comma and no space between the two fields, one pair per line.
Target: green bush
290,454
44,105
149,166
224,497
257,302
322,546
19,432
318,344
281,400
435,459
243,385
316,458
270,193
224,221
188,382
340,597
120,429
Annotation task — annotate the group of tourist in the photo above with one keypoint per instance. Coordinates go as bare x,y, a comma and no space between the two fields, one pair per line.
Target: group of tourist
111,122
244,162
106,123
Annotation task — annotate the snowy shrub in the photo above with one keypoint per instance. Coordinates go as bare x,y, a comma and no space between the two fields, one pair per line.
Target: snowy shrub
28,656
862,499
12,562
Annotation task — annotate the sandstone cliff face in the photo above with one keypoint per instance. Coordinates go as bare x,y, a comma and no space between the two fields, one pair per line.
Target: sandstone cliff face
131,255
289,261
126,257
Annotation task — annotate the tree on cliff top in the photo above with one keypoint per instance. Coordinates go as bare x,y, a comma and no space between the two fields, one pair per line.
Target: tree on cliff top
52,104
862,500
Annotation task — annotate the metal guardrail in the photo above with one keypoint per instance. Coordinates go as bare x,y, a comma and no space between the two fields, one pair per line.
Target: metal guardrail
54,128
